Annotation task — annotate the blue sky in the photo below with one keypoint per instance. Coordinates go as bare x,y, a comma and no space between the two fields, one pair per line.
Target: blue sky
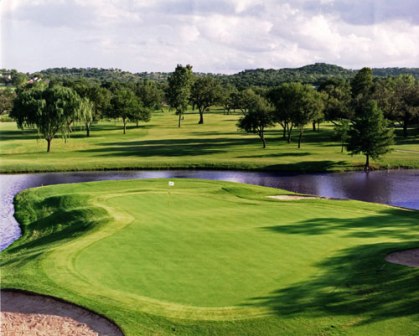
220,36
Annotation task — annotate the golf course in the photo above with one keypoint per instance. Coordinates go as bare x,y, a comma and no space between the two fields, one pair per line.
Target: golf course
198,257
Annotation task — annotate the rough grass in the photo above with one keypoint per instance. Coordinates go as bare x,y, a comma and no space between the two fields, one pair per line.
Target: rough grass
216,258
160,145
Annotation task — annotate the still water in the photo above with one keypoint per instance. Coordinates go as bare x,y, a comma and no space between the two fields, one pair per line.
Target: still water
395,187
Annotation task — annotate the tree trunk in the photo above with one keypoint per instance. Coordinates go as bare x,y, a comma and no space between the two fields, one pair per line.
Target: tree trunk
262,137
201,117
284,132
299,138
314,126
289,134
342,143
405,127
367,163
125,125
87,129
180,118
49,145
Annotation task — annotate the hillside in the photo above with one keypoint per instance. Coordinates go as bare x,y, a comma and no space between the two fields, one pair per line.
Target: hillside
313,74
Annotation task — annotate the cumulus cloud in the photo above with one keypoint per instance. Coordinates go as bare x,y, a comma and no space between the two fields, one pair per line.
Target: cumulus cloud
213,36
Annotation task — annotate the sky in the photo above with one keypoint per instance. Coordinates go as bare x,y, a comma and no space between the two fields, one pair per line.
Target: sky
218,36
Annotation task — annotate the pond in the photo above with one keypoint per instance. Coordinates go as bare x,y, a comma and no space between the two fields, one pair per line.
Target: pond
394,187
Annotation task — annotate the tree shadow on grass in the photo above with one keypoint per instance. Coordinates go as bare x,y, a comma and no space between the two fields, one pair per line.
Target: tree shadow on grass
357,281
168,147
389,223
275,155
19,135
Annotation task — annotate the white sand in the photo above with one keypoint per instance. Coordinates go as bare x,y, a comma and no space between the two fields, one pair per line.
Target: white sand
37,315
407,257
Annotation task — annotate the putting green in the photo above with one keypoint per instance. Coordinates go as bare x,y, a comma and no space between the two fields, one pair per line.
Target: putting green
205,250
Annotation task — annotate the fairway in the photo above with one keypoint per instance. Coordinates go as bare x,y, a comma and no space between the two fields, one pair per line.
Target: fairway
208,257
160,144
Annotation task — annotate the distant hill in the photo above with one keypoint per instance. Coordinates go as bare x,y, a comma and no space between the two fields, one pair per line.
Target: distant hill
313,74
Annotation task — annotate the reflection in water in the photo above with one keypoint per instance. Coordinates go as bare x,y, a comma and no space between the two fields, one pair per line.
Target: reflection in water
397,187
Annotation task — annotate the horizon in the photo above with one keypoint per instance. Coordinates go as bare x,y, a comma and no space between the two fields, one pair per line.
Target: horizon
221,36
213,73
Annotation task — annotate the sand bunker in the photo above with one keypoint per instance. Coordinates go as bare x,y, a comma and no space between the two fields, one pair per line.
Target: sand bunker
407,257
37,315
291,197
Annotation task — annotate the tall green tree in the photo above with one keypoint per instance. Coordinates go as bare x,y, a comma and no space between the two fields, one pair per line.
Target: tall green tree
337,100
179,89
258,117
48,110
205,91
369,134
295,105
125,105
361,89
150,94
309,109
398,98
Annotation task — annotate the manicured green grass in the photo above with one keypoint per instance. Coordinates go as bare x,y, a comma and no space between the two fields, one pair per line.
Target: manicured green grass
160,144
216,258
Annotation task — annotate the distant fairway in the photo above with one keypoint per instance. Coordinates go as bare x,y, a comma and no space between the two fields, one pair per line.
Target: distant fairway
160,144
210,257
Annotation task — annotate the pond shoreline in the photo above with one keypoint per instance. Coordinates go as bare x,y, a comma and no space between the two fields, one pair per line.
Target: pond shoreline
281,168
375,186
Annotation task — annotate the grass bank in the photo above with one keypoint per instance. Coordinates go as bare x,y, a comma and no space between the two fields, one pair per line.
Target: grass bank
216,258
160,144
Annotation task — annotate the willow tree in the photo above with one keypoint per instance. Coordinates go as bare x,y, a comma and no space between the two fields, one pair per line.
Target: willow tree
46,109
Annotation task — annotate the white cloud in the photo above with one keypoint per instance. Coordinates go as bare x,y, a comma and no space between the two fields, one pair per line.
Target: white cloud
214,36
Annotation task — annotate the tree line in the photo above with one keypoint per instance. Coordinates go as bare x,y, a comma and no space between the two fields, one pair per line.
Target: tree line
52,106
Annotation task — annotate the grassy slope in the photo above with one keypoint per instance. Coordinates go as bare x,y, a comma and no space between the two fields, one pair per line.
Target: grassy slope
160,144
216,258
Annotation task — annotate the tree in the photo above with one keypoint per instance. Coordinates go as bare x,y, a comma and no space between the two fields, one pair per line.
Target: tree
337,100
258,117
46,109
295,105
308,108
7,96
342,132
361,89
150,94
205,92
98,96
179,89
18,78
398,98
125,105
85,113
369,134
362,84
